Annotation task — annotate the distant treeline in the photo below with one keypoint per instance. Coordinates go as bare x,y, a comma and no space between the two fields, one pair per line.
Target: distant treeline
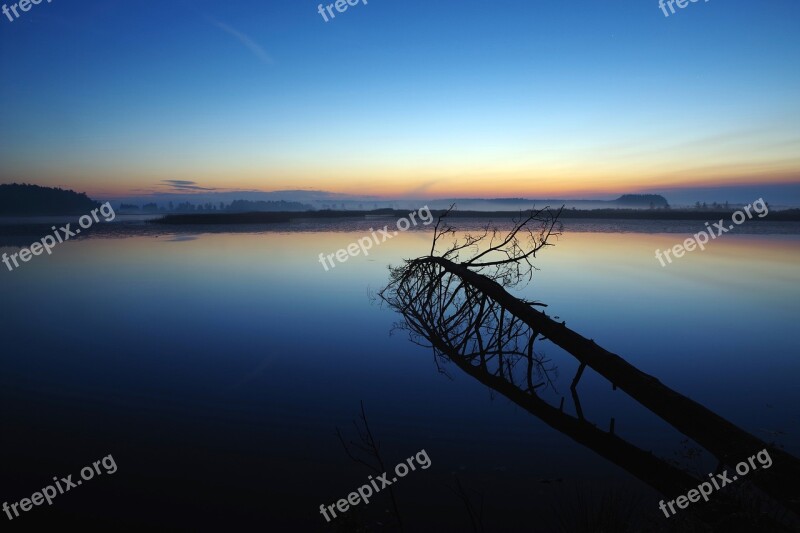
633,201
710,215
23,199
225,218
640,201
265,217
237,206
607,214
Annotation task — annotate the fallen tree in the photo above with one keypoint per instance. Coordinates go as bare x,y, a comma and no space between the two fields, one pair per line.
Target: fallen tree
466,302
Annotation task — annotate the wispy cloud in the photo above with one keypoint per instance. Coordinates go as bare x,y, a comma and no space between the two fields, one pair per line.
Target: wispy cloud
249,43
184,185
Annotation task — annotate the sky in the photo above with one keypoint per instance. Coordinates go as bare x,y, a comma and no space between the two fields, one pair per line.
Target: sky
401,98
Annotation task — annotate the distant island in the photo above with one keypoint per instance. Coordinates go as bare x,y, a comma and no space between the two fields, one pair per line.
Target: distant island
651,201
25,200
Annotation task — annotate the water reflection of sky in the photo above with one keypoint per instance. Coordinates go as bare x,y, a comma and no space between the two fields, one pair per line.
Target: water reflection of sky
239,352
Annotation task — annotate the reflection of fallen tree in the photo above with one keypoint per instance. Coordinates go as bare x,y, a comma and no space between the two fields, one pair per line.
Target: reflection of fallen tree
657,473
463,310
367,452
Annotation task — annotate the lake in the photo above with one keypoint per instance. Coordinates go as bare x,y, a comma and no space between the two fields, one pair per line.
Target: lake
215,367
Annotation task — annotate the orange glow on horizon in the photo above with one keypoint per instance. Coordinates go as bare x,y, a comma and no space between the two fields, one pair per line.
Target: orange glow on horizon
473,185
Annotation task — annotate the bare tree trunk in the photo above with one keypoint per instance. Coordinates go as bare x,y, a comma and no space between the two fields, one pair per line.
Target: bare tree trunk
729,443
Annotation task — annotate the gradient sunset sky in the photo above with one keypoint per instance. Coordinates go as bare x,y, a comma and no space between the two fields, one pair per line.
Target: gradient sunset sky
402,98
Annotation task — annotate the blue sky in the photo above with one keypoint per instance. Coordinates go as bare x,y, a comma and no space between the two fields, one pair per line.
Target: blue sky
401,97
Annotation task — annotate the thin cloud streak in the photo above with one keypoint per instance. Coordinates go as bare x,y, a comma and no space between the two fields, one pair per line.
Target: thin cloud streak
253,46
184,185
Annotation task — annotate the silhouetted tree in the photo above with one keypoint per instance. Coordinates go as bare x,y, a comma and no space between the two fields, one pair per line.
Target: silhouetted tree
23,199
455,301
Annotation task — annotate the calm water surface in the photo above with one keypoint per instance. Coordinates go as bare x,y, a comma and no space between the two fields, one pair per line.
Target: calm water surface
215,368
